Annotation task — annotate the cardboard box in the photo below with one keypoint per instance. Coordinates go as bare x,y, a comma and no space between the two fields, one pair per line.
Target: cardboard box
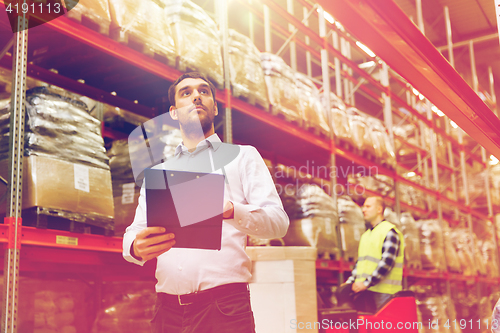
62,185
283,288
124,213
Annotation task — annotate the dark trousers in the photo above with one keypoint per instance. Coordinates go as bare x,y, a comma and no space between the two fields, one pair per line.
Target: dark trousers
217,313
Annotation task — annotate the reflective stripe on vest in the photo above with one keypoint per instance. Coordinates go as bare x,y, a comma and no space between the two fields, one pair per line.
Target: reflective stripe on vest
370,254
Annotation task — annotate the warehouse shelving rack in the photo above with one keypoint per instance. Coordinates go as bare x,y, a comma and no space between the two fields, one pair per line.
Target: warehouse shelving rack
51,247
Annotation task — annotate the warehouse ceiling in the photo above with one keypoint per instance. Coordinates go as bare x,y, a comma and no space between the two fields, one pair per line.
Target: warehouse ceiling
470,20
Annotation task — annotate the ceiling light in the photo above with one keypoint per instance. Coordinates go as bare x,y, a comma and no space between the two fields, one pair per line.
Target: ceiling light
493,160
411,174
327,16
437,111
453,124
365,49
367,64
415,92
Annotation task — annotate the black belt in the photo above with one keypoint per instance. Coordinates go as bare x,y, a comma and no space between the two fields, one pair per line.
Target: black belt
205,296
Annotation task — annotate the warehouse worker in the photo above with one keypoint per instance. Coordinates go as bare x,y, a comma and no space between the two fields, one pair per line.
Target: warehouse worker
207,290
378,273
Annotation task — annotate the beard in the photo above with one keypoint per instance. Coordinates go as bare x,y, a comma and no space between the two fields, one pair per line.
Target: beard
198,126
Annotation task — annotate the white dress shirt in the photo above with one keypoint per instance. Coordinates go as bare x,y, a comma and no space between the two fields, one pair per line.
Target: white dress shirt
258,211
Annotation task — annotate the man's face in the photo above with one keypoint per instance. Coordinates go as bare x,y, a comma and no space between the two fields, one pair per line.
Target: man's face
194,105
371,209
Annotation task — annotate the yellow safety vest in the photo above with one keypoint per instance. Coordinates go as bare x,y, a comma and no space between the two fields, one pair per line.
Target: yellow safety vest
370,254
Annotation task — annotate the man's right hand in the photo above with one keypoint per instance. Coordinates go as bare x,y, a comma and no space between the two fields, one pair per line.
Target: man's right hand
150,242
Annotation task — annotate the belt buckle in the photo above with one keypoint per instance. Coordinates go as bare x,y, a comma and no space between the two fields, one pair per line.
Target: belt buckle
180,302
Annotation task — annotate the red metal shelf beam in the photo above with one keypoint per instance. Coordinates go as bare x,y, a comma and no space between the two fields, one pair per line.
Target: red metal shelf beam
383,27
339,265
49,238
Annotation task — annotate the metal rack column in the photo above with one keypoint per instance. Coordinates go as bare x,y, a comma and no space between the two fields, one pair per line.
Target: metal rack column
14,199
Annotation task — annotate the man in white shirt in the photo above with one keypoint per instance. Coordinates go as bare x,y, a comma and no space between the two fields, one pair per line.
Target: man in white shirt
206,290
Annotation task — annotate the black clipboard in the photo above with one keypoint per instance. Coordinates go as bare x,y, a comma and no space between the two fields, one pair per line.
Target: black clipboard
188,204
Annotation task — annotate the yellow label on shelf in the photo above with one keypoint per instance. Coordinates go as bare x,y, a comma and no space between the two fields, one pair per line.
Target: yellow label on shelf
64,240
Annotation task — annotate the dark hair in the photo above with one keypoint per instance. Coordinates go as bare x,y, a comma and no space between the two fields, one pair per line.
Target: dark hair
190,75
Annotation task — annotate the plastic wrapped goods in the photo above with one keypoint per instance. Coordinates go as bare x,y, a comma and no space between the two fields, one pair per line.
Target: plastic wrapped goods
282,90
313,220
412,240
314,115
96,11
359,130
461,241
128,307
381,143
57,126
431,245
57,306
352,226
340,125
407,132
189,23
449,250
143,24
433,309
489,256
247,77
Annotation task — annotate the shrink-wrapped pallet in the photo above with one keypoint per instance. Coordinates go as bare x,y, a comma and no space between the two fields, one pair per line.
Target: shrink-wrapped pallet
433,310
412,240
196,38
95,11
282,90
57,125
410,195
490,258
313,220
247,77
381,142
431,245
408,133
66,172
352,226
360,131
451,255
144,25
56,306
127,307
478,256
340,125
312,108
462,242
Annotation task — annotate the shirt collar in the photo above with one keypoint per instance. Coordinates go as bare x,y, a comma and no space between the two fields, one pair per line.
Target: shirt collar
212,141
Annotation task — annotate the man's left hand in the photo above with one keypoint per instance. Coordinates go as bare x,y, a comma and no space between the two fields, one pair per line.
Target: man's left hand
358,287
228,211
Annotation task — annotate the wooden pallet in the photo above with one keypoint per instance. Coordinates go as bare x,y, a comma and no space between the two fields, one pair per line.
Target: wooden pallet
135,42
414,265
316,130
43,218
250,99
185,68
279,114
99,25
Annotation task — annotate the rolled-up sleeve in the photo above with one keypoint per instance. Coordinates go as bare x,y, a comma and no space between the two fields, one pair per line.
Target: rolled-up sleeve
139,223
263,215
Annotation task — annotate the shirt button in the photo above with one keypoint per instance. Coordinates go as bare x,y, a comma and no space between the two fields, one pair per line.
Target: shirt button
180,268
239,221
256,229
